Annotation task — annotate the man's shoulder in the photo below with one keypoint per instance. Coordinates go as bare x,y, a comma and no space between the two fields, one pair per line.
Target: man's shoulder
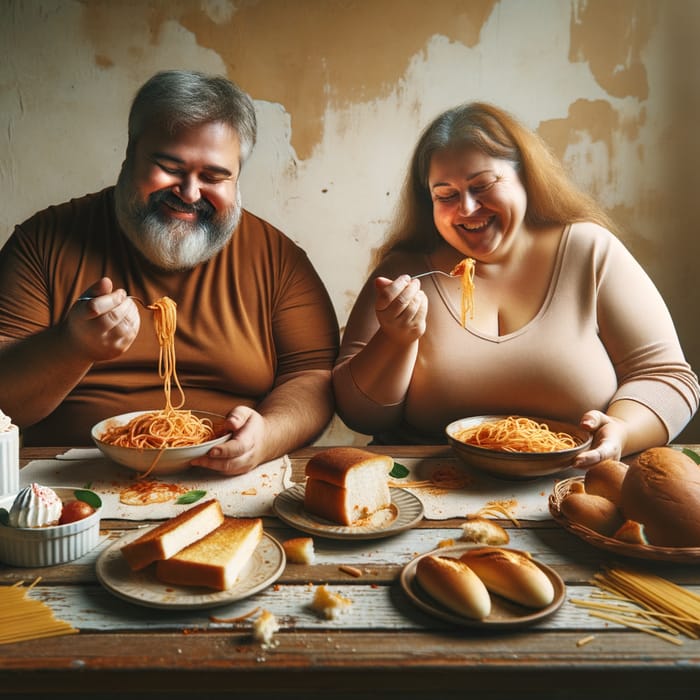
77,206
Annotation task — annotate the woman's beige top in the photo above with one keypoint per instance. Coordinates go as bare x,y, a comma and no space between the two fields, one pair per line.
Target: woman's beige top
603,333
254,312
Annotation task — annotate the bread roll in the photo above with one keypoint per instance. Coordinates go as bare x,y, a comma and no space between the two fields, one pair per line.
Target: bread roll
662,491
483,531
594,512
346,484
452,583
605,479
511,575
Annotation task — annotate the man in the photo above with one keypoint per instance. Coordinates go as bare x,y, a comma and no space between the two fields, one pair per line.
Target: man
256,332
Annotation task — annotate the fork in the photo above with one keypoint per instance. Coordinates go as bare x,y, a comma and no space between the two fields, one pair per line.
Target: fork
432,272
87,297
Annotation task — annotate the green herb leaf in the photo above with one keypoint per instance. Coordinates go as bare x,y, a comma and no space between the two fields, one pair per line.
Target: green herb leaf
4,516
693,455
89,497
398,471
190,497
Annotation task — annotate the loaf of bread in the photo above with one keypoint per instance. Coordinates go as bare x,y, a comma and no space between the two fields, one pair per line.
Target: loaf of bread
511,575
174,534
346,484
216,560
662,491
594,512
605,479
451,582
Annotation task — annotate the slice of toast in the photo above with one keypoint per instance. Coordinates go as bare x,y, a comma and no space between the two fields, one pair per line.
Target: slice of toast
216,560
174,534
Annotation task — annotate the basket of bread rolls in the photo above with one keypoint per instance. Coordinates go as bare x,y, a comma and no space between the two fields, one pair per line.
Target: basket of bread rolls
648,509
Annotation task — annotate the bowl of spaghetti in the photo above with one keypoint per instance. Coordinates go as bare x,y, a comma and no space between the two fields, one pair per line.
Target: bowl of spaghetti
517,447
159,442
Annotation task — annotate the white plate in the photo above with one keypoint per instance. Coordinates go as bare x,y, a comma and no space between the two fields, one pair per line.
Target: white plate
143,588
407,511
504,614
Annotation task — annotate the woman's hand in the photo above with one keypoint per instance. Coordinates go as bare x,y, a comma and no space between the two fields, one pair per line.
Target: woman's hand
401,307
609,438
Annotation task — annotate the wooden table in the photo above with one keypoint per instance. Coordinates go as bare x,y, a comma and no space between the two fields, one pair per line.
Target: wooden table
383,647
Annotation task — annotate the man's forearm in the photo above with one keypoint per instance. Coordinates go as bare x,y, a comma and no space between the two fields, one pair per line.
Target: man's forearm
36,374
296,411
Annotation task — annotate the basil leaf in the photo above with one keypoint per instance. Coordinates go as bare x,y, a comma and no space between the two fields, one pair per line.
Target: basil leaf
4,516
693,455
89,497
190,497
398,471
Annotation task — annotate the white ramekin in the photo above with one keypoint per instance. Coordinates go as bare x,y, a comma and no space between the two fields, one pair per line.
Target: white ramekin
48,546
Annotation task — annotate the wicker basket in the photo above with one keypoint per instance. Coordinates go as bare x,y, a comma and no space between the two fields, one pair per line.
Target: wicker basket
682,555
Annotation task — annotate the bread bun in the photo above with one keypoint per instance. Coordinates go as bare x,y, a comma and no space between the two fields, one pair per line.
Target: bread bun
605,479
452,583
594,512
662,491
482,531
511,575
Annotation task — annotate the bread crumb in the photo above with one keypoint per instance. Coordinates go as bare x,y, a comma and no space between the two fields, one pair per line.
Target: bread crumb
264,627
446,543
351,570
299,550
330,605
250,492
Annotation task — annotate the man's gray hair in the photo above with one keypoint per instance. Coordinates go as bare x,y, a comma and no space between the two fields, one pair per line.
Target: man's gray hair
176,98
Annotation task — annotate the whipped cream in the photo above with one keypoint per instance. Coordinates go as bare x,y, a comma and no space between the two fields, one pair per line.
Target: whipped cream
35,506
5,423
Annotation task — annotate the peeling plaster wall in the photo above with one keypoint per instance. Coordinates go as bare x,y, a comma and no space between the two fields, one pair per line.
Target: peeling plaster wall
343,88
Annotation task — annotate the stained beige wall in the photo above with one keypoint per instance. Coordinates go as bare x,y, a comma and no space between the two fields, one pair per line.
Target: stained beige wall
342,89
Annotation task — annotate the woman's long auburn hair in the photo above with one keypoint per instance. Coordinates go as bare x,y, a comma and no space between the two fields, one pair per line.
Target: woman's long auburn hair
552,198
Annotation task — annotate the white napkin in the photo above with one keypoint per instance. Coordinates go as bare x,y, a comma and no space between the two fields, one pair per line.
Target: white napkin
527,500
248,495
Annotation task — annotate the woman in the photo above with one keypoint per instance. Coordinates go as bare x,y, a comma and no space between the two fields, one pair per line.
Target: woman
565,322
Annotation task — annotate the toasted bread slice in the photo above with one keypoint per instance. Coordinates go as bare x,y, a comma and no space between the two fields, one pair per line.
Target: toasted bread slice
174,534
216,560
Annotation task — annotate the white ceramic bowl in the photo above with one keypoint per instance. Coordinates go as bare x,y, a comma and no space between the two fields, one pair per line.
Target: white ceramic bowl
173,459
48,546
517,465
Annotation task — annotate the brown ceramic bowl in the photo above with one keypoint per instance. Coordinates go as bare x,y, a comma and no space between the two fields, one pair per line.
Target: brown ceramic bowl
517,465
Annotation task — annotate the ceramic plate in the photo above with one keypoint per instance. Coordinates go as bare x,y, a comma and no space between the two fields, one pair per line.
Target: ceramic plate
141,587
504,614
405,512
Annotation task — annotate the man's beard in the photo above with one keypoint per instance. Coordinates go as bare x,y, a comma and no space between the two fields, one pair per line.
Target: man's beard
173,244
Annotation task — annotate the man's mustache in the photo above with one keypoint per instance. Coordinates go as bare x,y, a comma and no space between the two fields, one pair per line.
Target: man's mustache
201,206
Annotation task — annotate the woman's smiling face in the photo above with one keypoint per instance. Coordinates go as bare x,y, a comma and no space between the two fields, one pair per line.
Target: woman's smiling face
479,202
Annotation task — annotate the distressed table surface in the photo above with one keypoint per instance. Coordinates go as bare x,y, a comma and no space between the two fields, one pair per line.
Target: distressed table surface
383,646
